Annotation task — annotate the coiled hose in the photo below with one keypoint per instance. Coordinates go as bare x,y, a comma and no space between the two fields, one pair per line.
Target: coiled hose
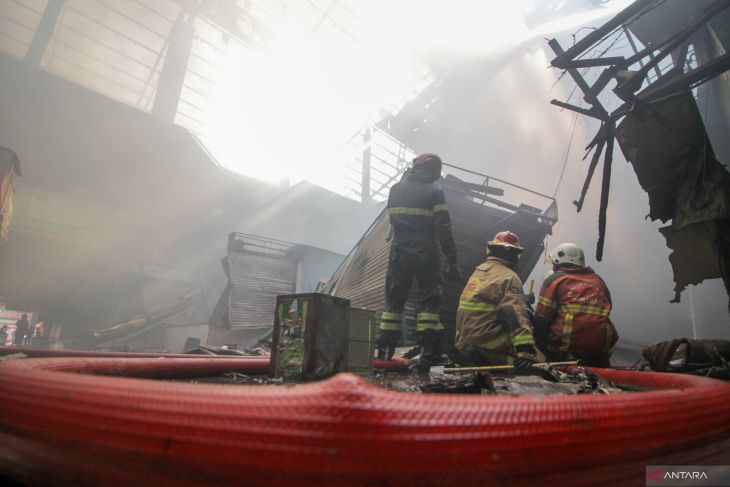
64,421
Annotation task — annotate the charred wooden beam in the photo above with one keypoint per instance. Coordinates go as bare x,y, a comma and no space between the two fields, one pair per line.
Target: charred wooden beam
629,87
562,59
515,208
605,190
676,84
483,188
591,170
602,81
639,55
580,81
686,80
682,54
592,112
593,62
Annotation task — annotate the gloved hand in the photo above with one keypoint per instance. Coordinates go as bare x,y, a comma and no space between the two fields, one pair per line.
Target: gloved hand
530,299
387,341
525,356
454,272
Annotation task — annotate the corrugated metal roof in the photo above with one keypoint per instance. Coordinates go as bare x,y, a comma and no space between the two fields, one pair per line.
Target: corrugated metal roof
476,217
361,278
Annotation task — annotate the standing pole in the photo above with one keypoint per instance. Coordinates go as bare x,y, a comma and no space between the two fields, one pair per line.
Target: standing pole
366,157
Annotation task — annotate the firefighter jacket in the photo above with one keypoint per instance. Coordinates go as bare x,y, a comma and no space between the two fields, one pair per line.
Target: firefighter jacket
492,313
419,217
572,313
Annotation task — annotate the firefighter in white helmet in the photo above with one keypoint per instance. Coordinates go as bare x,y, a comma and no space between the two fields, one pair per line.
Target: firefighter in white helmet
572,314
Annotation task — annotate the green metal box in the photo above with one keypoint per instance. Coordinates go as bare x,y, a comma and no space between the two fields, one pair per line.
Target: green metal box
310,338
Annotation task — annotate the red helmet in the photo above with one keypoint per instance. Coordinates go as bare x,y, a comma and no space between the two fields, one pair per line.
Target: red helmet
506,239
430,160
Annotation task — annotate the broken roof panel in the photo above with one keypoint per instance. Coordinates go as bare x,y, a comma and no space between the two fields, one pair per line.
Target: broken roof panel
666,19
657,140
662,133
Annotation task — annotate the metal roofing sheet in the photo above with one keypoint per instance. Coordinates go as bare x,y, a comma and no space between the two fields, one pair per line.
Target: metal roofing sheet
475,218
256,280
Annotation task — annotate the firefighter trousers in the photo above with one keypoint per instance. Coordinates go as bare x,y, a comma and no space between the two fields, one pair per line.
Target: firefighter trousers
409,260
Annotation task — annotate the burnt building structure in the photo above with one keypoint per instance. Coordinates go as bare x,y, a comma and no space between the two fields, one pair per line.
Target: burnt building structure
671,122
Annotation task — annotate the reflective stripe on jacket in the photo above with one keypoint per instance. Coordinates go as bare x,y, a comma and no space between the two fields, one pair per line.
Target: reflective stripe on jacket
418,212
573,311
492,286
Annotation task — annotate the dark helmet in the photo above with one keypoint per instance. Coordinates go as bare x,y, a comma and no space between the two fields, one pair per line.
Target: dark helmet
429,161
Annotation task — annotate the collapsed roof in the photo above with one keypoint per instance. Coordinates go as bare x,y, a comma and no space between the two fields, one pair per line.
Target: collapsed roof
676,146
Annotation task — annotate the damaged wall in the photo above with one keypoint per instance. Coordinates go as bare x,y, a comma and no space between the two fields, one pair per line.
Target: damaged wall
675,164
661,131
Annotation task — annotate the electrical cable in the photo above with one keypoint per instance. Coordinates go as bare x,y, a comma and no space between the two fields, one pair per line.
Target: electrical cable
567,154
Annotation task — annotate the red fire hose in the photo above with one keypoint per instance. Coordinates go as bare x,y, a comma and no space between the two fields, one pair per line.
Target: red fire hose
65,421
395,364
48,352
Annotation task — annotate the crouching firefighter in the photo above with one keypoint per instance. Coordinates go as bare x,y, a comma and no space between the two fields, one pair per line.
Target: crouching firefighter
420,222
492,323
572,314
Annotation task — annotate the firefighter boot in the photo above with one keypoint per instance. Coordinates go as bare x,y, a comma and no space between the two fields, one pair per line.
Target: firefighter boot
387,341
429,340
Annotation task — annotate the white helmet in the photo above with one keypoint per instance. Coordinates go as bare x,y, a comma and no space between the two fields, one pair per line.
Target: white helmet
568,253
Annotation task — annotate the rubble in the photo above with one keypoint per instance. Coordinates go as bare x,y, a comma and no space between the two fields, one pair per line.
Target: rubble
539,382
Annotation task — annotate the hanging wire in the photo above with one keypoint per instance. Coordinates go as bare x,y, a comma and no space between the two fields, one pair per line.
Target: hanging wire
567,154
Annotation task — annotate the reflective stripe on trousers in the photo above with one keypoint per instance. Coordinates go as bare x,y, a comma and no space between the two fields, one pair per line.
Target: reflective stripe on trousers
390,321
428,321
567,330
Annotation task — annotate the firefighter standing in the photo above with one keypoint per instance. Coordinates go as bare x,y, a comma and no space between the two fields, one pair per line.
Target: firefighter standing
492,323
572,314
420,222
22,331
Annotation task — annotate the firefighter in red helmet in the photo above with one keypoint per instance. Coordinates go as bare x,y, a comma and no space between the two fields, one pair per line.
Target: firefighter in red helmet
492,323
420,222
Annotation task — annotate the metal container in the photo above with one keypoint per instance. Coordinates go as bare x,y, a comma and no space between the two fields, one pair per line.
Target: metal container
362,342
310,337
